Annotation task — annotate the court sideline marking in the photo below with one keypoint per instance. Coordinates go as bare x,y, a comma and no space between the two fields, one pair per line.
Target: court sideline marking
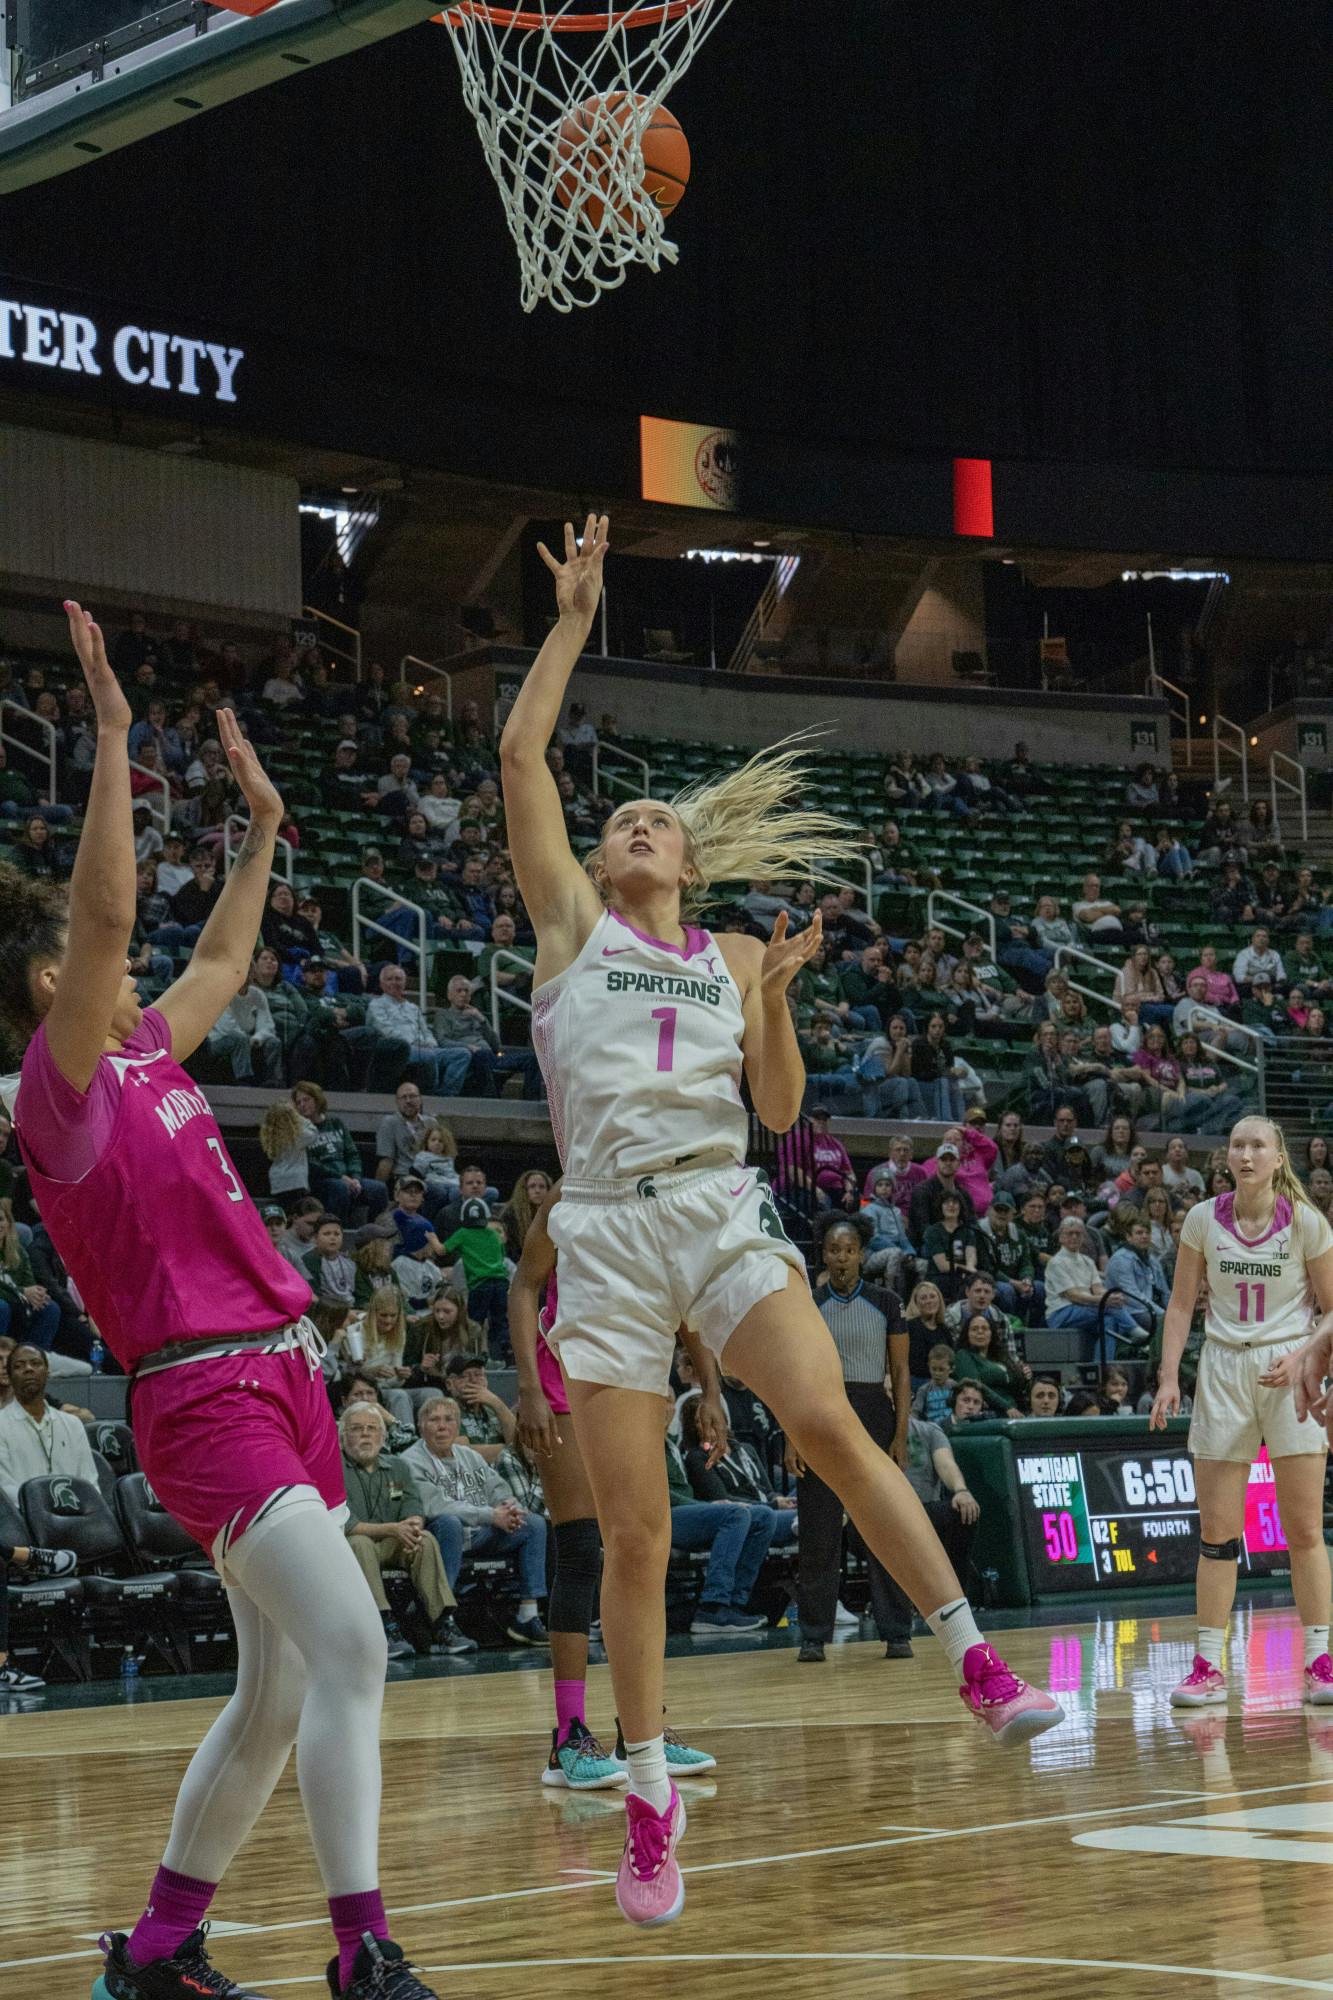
763,1860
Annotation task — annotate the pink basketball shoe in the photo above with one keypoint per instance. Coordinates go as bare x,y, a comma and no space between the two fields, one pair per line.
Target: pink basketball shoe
1011,1709
1319,1682
649,1889
1202,1685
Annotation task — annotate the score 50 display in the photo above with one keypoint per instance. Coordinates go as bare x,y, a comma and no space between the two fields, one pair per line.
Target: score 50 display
1110,1515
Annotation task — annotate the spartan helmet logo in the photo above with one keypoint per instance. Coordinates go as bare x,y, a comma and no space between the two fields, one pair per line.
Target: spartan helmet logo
644,1188
64,1500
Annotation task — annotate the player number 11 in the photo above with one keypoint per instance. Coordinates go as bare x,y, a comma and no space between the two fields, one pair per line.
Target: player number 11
1250,1295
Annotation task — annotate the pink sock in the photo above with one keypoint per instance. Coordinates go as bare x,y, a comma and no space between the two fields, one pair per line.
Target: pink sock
352,1917
570,1697
176,1906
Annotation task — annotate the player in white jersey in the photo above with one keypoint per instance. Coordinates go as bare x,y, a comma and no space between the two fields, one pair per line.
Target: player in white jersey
643,1023
1266,1254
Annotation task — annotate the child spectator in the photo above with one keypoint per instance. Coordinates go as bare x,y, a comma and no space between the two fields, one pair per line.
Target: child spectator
285,1138
374,1268
418,1277
409,1193
889,1253
934,1399
479,1248
435,1167
331,1272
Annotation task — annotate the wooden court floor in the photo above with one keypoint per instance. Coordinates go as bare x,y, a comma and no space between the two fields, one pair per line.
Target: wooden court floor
860,1836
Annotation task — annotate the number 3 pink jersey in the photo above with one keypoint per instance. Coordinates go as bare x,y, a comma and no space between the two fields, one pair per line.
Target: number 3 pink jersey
1258,1291
141,1199
640,1045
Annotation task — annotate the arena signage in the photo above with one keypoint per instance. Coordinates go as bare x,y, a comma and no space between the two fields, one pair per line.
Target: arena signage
37,336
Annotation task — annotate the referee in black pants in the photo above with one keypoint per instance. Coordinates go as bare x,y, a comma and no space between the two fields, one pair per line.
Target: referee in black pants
872,1342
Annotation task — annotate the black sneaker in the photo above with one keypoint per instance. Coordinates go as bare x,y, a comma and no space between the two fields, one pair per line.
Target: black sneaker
183,1976
527,1632
48,1562
380,1973
811,1653
14,1681
399,1647
449,1639
897,1649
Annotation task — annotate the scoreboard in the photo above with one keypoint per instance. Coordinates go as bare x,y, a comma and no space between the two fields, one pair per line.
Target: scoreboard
1117,1514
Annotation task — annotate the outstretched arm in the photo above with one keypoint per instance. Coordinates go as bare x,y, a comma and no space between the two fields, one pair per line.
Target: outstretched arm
560,899
101,889
221,959
772,1057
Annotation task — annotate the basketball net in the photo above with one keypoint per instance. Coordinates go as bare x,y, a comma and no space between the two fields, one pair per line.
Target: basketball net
525,70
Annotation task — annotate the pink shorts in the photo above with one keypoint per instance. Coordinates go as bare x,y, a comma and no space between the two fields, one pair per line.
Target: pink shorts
217,1438
552,1380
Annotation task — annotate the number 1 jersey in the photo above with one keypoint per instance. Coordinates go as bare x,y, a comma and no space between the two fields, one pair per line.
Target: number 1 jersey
640,1045
156,1231
1258,1291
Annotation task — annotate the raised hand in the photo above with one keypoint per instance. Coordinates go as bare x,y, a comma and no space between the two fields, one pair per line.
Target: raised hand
784,956
107,696
578,579
260,792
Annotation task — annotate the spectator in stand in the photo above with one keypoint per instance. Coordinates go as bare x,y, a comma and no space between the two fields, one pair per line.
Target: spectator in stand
1030,1174
529,1192
976,1152
35,1440
1138,979
298,1238
485,1420
284,1139
1317,1155
336,1173
331,1271
932,1397
1177,1173
1077,1298
469,1513
290,934
979,1359
828,1061
944,793
1220,987
927,1199
1258,959
435,1165
1233,900
1136,1272
926,1328
479,1248
1045,1397
835,1181
1008,1255
134,647
890,1255
401,1133
1214,1108
934,1067
969,1406
951,1247
463,1025
155,734
1141,792
473,1185
27,1310
245,1038
386,1528
36,853
908,1174
1047,1080
283,689
1095,914
384,1335
397,1019
1112,1156
440,809
1262,1011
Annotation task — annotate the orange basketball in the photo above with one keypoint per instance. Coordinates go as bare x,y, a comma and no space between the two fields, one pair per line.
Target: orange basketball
595,129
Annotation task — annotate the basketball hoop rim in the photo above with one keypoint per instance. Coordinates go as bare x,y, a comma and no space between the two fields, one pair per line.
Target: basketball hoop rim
533,20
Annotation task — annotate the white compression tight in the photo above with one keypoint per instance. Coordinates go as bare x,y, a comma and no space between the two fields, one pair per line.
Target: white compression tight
311,1672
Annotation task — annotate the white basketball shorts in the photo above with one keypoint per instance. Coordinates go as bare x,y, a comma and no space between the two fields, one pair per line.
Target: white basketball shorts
640,1258
1234,1414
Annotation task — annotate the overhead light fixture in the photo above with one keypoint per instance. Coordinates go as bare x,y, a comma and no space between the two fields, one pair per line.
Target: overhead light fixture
724,556
1175,576
762,542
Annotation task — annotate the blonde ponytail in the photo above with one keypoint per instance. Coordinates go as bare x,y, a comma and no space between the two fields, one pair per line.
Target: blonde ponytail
743,826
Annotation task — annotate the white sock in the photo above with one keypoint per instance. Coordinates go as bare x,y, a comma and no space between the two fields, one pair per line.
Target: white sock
1316,1643
956,1629
648,1777
1211,1640
527,1608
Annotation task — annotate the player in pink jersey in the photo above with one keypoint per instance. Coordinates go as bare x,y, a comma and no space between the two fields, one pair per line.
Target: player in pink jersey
644,1023
546,1429
230,1416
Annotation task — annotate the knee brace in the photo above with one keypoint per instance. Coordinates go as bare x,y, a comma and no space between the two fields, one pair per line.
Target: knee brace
578,1565
1221,1552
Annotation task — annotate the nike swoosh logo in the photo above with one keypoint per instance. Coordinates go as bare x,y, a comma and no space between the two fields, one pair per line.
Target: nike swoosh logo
617,952
945,1616
741,1189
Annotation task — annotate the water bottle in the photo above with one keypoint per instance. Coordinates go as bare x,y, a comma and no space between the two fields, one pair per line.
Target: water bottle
129,1665
97,1353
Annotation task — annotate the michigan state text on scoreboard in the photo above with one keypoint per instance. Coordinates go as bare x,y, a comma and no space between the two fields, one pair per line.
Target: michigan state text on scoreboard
1098,1504
1114,1516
